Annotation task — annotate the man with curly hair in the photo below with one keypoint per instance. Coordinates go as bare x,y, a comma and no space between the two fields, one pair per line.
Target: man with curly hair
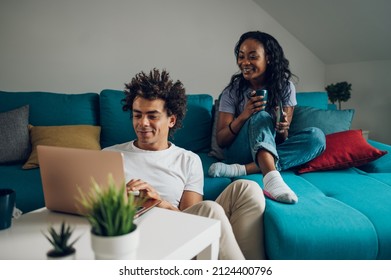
159,169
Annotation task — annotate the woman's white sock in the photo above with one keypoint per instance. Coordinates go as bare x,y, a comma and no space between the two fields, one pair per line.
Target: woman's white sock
276,189
220,169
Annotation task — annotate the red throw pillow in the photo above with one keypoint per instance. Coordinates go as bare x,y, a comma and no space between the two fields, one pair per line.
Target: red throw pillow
343,150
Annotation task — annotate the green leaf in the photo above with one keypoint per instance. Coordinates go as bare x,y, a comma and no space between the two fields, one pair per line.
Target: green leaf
339,92
109,211
60,240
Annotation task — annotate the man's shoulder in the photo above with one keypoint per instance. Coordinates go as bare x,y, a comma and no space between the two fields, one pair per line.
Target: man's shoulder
119,147
184,152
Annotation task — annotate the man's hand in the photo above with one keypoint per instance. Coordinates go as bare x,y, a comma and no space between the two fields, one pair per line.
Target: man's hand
145,190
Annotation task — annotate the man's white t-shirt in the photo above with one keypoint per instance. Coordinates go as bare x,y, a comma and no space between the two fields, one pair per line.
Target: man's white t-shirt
169,172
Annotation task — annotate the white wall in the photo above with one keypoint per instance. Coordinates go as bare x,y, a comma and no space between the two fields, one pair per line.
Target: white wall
371,95
77,46
87,45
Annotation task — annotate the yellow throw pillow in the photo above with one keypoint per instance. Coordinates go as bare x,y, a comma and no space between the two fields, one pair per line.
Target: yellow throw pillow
72,136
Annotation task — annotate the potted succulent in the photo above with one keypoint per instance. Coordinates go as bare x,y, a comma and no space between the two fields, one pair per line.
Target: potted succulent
339,92
111,215
62,249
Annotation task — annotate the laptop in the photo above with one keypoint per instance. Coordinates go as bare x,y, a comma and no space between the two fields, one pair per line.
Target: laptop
66,170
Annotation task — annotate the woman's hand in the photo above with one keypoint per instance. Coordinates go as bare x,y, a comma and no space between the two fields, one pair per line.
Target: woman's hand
253,105
283,125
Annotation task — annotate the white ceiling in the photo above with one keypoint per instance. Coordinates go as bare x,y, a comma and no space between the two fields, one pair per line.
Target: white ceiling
337,31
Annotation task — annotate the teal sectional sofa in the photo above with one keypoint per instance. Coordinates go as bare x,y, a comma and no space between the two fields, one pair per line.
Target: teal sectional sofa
341,214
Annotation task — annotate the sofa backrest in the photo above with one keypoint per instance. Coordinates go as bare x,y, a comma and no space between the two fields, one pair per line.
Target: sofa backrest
116,125
316,99
46,108
195,135
105,109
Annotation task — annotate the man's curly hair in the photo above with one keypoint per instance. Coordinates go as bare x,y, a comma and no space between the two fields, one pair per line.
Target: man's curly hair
156,85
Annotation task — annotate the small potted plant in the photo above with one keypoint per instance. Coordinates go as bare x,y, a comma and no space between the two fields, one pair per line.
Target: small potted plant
339,92
111,215
62,249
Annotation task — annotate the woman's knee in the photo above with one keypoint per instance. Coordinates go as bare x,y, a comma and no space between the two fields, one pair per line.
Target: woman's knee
261,119
317,139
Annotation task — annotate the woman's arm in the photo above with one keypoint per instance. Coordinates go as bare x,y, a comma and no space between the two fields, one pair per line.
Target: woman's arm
224,135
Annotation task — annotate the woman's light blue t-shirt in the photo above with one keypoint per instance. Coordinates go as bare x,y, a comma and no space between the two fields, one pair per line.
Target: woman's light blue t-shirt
229,99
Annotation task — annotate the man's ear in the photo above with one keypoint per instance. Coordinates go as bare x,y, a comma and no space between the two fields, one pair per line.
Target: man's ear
171,121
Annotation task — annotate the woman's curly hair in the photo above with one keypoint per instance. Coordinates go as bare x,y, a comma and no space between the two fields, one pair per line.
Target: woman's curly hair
156,85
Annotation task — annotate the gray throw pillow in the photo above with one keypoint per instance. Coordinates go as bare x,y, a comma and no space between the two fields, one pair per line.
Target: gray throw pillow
215,150
14,135
329,121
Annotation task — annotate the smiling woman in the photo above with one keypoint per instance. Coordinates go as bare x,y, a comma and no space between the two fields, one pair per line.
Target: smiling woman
254,131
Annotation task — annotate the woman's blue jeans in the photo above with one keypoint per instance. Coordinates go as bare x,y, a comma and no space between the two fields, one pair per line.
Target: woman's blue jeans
259,133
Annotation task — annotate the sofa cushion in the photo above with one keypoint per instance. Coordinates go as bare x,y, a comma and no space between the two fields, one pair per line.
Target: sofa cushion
195,135
325,223
318,228
316,99
329,121
215,150
334,218
14,135
116,124
73,136
369,196
328,222
48,108
343,149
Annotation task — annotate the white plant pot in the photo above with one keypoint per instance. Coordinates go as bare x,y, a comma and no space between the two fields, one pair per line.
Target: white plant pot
123,247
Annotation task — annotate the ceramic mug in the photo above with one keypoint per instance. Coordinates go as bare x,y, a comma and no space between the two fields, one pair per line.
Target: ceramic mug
7,204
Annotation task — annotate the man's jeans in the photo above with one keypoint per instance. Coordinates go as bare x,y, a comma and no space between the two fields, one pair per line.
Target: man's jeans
259,133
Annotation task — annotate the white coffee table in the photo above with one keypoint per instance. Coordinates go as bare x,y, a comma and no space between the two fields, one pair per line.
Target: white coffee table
165,234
